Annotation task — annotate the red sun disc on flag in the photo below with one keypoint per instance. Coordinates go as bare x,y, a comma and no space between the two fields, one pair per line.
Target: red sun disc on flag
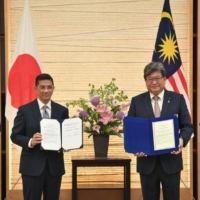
21,80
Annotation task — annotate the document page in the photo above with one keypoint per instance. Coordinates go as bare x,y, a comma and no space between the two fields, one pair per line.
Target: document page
50,130
72,133
163,134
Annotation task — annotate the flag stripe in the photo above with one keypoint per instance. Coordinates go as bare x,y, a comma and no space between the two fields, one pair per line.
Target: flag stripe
182,91
181,74
173,84
168,86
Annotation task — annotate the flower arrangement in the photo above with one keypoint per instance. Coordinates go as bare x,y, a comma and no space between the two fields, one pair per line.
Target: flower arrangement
102,113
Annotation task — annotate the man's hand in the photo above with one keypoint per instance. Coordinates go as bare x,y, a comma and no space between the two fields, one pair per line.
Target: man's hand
141,154
37,139
66,150
180,146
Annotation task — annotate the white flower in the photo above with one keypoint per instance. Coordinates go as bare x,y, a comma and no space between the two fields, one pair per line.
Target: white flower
87,124
115,102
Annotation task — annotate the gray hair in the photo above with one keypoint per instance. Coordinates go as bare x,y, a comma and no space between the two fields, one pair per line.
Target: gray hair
152,67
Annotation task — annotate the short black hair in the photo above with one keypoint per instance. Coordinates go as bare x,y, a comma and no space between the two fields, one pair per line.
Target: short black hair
152,67
42,77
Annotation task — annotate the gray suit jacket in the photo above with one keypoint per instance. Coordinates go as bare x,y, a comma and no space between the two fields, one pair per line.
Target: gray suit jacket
173,103
26,124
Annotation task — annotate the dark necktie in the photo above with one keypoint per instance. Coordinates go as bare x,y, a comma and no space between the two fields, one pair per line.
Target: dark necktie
156,106
45,113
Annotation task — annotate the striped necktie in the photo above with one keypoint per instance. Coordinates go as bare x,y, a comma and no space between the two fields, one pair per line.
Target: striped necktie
156,106
45,113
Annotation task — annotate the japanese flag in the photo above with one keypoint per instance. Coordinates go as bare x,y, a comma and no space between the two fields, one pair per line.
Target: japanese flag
25,67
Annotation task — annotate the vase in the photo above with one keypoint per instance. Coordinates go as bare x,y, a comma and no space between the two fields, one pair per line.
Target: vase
101,145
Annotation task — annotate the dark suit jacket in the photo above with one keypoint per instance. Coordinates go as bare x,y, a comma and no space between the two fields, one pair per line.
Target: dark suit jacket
173,104
26,124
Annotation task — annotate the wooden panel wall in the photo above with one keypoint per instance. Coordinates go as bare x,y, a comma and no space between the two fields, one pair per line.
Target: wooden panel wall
198,100
1,153
93,41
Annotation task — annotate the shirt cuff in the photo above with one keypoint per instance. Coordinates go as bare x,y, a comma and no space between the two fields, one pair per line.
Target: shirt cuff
183,140
29,143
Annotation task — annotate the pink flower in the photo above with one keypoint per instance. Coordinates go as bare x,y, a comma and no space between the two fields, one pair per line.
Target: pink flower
100,108
116,129
95,101
115,102
120,115
96,127
123,107
106,117
128,104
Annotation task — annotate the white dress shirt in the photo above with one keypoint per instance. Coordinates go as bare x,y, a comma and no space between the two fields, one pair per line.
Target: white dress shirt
160,100
48,109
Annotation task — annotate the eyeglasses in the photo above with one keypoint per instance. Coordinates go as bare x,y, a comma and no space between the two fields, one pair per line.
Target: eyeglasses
151,80
49,87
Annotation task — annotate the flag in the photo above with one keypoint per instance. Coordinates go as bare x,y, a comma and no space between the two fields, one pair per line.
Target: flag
25,67
167,52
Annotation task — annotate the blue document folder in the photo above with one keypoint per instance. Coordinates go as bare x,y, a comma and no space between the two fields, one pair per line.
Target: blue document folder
139,135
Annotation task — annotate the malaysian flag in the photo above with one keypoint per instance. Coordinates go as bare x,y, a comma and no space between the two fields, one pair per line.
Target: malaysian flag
167,52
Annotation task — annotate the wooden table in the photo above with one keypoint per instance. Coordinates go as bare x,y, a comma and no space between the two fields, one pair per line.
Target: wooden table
81,161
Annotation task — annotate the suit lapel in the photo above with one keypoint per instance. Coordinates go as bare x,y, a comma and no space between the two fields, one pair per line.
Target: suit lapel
35,110
166,102
54,111
148,105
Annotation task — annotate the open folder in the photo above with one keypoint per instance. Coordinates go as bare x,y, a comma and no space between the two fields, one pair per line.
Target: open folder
60,134
151,136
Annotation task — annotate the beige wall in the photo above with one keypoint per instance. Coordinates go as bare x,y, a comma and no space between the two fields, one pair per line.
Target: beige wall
93,41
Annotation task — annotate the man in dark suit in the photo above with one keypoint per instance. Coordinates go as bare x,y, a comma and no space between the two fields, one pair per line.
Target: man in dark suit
41,170
163,169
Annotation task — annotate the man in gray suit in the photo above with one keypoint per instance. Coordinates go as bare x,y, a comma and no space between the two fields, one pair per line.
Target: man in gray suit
163,169
41,170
